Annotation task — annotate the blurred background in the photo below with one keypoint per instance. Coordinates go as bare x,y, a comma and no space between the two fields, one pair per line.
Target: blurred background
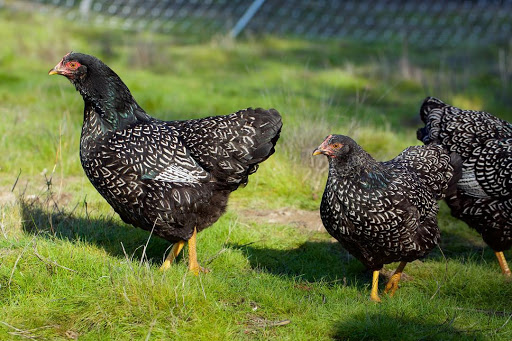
427,24
360,68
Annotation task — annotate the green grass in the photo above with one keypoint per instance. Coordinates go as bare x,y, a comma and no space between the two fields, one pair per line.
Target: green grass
70,267
85,275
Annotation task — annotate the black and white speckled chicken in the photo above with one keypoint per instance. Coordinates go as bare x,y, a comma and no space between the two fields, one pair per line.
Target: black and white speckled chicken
384,212
173,178
484,193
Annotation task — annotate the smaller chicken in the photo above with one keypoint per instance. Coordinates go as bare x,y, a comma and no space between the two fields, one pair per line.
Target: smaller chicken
384,212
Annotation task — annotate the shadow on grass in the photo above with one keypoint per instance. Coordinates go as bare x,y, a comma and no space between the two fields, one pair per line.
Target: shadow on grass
313,261
327,261
44,217
388,326
460,242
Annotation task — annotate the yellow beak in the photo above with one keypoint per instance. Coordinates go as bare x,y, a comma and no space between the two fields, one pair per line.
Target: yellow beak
57,70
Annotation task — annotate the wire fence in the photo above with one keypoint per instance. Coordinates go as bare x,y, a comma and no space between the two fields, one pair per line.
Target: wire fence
425,23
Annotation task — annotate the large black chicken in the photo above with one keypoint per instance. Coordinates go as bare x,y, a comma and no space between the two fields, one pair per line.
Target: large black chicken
384,212
484,193
172,178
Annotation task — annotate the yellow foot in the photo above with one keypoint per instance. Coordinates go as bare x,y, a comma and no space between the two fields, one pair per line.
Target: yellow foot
193,265
175,251
392,284
503,263
166,265
375,298
374,295
197,269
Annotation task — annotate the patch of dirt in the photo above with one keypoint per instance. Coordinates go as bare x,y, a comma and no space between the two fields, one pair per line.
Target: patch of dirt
309,220
34,188
255,323
59,199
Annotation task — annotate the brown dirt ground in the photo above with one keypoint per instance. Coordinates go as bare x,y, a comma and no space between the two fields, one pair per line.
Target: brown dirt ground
309,220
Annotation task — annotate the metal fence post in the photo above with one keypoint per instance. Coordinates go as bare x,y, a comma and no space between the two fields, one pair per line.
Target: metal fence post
244,20
84,8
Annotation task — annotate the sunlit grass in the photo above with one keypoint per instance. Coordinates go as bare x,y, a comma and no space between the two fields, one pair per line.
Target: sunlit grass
70,267
94,281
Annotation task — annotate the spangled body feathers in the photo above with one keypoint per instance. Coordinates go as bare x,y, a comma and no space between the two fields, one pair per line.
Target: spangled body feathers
159,176
384,212
483,197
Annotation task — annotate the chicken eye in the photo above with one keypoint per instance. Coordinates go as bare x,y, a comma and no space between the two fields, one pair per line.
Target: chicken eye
72,65
337,145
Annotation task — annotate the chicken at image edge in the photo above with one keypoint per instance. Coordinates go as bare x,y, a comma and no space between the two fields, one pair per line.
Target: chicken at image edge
483,198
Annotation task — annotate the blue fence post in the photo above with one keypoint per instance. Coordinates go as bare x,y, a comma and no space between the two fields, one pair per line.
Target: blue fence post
244,20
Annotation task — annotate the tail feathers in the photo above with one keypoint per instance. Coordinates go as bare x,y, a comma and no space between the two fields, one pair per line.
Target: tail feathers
445,174
438,170
429,104
230,147
431,117
422,135
267,126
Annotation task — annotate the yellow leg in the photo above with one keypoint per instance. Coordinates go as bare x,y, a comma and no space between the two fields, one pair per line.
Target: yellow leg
193,265
374,295
175,251
393,281
503,263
